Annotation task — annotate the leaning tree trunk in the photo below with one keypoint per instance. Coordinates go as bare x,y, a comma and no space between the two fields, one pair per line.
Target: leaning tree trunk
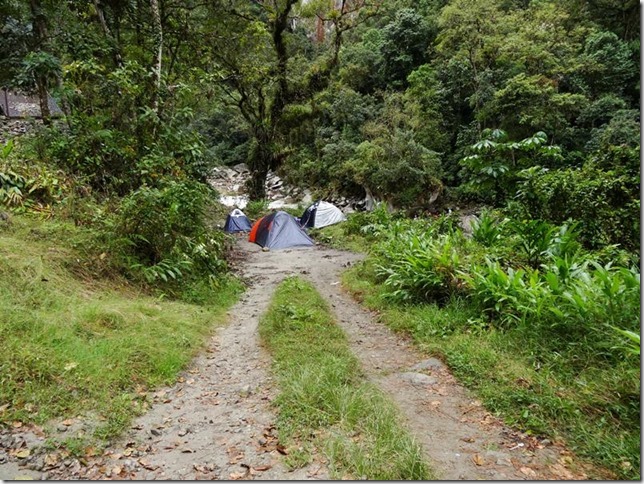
43,97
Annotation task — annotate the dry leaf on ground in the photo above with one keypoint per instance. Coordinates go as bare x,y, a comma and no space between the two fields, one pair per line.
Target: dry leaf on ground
528,471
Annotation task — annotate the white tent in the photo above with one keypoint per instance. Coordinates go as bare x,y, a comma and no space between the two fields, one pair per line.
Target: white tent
321,214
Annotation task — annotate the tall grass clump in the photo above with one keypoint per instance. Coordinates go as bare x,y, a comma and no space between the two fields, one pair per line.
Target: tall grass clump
325,400
418,261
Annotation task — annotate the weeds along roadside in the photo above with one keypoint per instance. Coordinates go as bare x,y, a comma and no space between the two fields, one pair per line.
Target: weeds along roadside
325,403
97,348
545,332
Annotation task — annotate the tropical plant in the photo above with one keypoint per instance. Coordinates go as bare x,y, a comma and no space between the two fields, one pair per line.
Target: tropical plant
492,166
487,229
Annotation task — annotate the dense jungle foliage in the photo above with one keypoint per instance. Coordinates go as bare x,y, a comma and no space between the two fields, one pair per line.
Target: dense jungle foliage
422,104
529,108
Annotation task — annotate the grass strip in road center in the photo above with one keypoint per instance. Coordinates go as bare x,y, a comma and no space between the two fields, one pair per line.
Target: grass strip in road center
325,401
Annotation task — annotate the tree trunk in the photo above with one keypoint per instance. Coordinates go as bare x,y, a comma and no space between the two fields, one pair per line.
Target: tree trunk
158,42
40,29
118,60
64,104
43,98
256,184
262,157
260,161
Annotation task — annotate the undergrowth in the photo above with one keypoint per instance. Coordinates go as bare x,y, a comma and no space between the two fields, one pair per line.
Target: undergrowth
545,331
325,401
74,344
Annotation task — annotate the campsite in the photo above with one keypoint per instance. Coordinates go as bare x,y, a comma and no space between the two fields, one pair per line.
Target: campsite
320,240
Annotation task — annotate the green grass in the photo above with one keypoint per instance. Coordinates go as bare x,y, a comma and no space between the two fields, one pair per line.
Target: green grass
325,402
335,236
75,345
594,408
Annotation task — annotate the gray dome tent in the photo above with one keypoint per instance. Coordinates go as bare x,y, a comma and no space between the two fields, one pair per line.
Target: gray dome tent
279,230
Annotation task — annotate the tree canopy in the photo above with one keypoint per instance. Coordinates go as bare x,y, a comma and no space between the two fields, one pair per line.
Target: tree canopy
347,97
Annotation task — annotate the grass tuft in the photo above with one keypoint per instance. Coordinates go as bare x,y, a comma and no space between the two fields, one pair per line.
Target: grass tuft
325,401
336,236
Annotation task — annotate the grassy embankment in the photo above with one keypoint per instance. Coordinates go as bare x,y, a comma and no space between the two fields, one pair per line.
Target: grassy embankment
325,402
594,409
75,345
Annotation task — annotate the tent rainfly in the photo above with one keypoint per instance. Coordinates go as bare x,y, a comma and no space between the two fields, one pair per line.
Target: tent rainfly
279,230
237,221
321,214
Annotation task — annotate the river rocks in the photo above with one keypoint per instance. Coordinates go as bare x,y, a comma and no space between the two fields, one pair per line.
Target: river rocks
499,458
467,224
12,128
16,127
230,182
241,168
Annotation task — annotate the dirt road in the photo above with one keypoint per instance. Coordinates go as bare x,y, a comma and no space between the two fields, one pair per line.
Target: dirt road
217,422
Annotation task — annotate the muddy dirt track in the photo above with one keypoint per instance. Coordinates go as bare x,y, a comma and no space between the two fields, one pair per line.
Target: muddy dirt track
217,422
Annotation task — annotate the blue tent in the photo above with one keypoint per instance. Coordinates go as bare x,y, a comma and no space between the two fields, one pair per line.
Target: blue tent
237,222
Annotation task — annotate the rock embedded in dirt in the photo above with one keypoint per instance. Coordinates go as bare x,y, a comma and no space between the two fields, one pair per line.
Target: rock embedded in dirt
418,378
429,364
241,168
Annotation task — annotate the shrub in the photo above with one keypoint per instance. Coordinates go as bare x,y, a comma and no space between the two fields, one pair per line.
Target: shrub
419,263
491,168
571,300
488,230
368,224
395,167
27,184
604,201
256,209
161,232
536,241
